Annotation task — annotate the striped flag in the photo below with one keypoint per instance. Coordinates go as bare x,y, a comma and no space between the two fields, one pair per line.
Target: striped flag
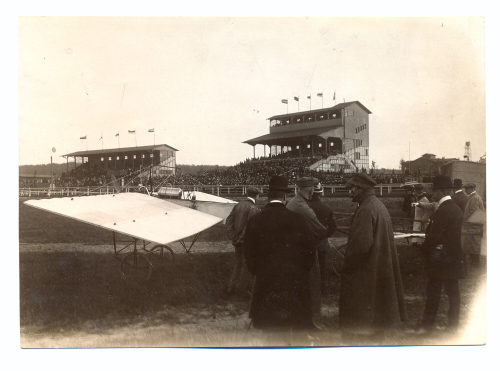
151,130
308,97
100,138
131,131
284,101
117,134
319,94
296,98
85,137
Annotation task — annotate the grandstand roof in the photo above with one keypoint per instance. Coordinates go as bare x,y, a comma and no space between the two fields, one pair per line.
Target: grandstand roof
336,107
289,134
119,150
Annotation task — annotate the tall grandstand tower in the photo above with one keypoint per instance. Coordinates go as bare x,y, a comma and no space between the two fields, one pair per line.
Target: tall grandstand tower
119,161
337,136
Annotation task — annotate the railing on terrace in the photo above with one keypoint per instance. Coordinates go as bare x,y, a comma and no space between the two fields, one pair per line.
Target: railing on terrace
228,191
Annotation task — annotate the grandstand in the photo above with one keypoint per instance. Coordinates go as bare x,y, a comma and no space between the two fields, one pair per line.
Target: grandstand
337,137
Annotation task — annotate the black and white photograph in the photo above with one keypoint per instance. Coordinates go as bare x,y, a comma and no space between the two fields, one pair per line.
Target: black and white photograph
251,182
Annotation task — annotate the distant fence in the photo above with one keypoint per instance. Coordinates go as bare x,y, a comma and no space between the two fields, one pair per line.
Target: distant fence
227,191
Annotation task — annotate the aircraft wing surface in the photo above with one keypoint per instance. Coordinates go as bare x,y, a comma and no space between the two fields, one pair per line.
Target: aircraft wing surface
134,214
398,235
202,196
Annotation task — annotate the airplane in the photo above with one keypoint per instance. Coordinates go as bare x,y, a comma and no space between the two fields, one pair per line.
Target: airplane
149,223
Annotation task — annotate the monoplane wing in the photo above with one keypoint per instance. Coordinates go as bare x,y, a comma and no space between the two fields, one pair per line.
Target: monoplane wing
133,214
205,197
399,235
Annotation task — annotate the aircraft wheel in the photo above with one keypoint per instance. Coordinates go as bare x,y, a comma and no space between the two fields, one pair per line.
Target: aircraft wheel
164,251
136,267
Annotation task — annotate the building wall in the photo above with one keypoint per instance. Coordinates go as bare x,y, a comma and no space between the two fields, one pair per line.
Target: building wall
469,172
357,138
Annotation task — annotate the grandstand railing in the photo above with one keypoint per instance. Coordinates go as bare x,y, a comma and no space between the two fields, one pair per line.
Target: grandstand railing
227,191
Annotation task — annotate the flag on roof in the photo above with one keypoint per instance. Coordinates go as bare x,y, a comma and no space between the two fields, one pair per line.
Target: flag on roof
117,134
284,101
131,131
296,98
84,137
319,94
151,130
308,97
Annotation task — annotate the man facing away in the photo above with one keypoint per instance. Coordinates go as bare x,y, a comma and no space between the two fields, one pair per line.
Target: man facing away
236,224
472,243
371,289
324,213
459,196
317,232
279,253
443,255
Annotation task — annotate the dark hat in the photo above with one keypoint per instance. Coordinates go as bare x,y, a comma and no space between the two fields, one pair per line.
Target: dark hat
470,185
441,182
306,181
279,183
419,187
457,183
361,180
318,188
252,191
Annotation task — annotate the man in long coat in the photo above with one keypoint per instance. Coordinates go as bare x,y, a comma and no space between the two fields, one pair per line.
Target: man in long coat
443,255
459,196
279,253
236,224
371,293
324,213
317,231
472,243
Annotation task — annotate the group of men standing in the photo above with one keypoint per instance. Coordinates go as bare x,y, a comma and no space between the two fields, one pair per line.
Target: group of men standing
283,246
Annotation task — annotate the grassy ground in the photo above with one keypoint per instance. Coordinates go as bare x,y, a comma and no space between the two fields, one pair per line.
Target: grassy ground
72,294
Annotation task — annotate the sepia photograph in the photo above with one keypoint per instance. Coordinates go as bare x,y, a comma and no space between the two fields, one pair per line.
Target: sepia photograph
251,182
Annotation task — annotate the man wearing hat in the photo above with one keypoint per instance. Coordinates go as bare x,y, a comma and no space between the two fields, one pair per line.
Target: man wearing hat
236,224
279,253
472,243
371,289
422,214
443,255
459,196
324,213
300,205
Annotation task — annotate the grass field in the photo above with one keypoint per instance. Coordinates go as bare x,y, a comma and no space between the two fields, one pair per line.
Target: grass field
72,293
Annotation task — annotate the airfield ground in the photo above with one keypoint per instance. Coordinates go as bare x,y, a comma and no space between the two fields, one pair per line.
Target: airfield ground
72,294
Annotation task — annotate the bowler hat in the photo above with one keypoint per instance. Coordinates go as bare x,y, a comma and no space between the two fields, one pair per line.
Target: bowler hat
361,180
470,185
457,183
306,181
279,183
441,182
252,191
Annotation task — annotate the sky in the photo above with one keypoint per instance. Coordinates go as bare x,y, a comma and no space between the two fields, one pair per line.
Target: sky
206,84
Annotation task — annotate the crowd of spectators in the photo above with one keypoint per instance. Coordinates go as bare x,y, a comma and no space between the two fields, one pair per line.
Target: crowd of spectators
249,172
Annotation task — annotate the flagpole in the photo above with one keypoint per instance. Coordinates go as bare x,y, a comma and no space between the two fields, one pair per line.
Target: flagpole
135,137
310,101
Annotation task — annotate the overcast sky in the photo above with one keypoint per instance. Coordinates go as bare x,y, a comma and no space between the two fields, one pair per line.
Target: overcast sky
208,84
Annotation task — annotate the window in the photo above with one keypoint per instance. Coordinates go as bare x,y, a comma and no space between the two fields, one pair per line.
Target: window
102,159
135,156
331,144
117,157
126,157
151,155
320,145
298,147
308,146
143,156
109,158
357,155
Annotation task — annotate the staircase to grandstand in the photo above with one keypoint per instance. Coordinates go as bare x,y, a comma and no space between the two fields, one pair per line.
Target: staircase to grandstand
335,163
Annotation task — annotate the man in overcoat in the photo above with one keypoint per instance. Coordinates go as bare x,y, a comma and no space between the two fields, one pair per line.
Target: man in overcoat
236,224
279,253
317,232
459,196
472,243
443,255
324,213
371,292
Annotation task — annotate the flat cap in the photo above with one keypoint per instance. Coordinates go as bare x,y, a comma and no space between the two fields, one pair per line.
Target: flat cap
252,191
306,181
361,180
470,185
